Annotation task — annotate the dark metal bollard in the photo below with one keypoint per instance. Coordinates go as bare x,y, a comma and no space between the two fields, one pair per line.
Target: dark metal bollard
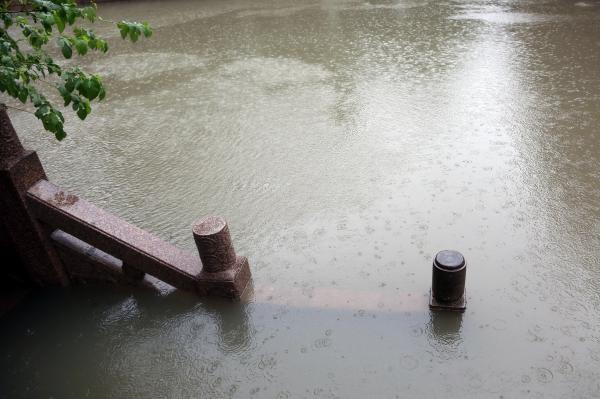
223,273
448,281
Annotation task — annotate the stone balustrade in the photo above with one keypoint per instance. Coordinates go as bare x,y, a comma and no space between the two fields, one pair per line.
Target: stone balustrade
51,230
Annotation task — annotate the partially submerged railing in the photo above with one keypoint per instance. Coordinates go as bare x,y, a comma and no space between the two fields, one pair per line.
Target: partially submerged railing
37,211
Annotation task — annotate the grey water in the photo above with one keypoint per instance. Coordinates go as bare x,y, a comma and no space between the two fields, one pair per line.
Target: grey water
346,142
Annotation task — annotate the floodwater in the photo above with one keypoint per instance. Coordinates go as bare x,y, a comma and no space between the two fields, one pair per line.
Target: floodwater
346,142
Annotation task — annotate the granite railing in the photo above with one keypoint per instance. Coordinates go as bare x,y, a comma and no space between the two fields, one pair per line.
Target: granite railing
63,239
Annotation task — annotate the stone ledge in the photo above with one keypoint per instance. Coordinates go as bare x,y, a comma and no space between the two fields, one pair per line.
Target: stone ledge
230,283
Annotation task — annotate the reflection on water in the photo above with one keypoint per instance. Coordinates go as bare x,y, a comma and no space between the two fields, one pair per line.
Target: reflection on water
444,327
346,142
233,326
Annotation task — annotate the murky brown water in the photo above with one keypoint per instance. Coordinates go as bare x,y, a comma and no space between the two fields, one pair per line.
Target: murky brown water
346,142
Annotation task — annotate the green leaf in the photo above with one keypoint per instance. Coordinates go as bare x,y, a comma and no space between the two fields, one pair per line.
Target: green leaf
70,85
47,22
65,47
8,21
134,33
67,51
41,111
59,21
65,94
81,46
146,29
83,88
84,109
93,87
23,60
52,121
23,94
89,13
71,14
60,134
102,45
36,99
123,28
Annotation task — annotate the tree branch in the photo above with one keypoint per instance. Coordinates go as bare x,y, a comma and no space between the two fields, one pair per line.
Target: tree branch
18,109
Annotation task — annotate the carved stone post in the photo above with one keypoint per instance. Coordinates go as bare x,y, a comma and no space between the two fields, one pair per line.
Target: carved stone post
19,170
223,273
214,244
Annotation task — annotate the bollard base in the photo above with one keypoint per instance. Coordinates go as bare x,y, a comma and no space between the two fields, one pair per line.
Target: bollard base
229,283
456,306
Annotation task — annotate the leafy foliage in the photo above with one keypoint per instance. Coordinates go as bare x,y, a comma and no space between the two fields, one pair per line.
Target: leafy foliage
26,27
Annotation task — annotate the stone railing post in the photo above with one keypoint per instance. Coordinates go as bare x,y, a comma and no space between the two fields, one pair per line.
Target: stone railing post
19,170
213,241
223,273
